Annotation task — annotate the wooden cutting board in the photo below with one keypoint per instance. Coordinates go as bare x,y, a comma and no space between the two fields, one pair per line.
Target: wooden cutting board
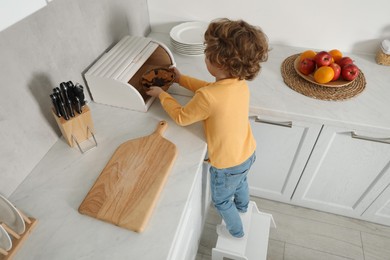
126,191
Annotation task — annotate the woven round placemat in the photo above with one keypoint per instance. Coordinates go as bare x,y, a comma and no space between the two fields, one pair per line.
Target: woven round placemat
300,85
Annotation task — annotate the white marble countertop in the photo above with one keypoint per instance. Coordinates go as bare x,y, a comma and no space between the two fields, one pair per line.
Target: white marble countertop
56,187
271,96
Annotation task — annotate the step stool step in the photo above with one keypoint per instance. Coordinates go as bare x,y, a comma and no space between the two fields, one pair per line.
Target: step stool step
254,244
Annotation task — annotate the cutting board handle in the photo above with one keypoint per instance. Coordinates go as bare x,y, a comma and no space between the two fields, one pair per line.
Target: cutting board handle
162,125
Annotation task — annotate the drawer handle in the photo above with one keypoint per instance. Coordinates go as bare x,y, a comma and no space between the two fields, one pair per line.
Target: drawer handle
284,124
373,139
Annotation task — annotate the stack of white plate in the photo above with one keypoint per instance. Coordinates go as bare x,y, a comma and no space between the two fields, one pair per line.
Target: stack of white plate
188,38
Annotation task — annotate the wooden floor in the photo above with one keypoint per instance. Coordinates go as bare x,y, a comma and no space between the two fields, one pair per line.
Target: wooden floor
304,234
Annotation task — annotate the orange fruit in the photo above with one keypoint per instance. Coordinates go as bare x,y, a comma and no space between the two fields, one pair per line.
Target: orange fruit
307,54
336,54
323,74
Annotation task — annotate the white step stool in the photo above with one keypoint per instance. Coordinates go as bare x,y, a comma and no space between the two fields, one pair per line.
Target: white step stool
254,245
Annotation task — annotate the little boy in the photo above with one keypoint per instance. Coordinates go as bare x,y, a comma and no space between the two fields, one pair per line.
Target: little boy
233,53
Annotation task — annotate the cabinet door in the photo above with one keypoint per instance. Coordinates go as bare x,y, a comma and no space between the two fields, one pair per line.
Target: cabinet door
379,211
345,172
185,245
283,148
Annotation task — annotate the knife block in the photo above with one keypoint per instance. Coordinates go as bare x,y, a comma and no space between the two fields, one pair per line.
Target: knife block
78,128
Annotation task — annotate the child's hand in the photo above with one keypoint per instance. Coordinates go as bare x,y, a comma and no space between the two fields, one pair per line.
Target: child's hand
154,91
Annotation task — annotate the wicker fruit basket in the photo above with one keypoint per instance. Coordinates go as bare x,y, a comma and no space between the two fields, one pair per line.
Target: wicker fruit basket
301,85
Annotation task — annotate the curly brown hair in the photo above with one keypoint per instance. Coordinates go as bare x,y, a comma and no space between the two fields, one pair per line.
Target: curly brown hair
236,47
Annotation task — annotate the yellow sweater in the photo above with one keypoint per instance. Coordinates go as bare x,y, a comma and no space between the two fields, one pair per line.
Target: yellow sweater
223,106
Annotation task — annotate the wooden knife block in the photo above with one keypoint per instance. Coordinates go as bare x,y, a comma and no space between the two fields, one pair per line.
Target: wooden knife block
78,128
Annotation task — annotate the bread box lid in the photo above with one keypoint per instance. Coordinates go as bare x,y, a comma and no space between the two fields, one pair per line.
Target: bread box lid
109,78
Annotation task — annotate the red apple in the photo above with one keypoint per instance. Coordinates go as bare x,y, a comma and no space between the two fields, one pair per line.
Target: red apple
323,58
307,66
344,61
350,72
337,71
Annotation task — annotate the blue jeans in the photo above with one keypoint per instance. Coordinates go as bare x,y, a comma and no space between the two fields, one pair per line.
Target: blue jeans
230,194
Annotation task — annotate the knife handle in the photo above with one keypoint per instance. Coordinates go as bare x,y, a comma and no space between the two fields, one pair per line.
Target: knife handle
55,104
57,96
79,92
63,108
71,93
78,105
63,86
57,91
67,101
70,84
64,92
63,111
70,108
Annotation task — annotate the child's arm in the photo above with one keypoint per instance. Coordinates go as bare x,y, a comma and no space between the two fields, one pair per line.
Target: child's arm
192,84
187,82
197,109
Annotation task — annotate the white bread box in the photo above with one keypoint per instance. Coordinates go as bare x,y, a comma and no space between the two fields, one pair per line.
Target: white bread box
114,79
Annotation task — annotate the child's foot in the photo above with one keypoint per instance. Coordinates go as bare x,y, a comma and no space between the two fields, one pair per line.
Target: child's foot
222,231
242,213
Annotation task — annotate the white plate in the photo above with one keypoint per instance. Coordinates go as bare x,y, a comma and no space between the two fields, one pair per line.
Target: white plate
187,53
11,216
5,240
186,47
189,50
189,32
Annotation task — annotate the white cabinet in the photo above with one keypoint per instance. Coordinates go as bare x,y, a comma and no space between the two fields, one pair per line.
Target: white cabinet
283,148
185,245
328,168
379,211
346,172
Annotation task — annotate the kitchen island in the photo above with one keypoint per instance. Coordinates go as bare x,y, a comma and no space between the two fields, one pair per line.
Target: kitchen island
56,187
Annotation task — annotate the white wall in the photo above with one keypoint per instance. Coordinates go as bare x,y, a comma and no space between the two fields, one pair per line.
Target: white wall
348,25
55,44
12,11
